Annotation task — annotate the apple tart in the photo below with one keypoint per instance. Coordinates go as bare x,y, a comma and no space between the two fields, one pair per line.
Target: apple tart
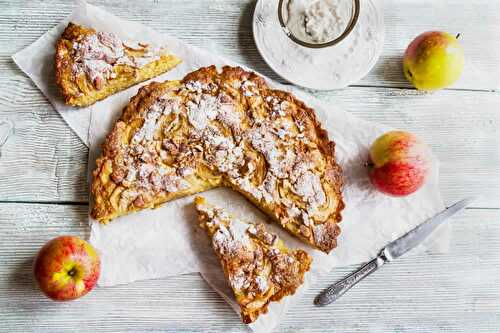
92,65
258,266
226,128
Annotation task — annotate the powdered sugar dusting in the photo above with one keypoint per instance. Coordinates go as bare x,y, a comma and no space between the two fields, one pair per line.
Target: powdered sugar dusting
205,108
196,86
132,174
227,113
246,185
249,89
173,183
150,126
239,281
293,211
262,283
238,230
223,241
225,154
231,235
262,138
268,188
202,111
319,233
308,186
318,21
98,53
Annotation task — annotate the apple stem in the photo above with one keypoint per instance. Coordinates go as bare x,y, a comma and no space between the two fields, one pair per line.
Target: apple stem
72,272
457,36
369,164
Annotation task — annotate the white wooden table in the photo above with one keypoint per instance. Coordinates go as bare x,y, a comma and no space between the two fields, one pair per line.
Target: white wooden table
43,190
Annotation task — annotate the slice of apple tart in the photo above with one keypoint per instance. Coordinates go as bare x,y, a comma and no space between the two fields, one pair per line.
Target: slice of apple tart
92,65
228,129
258,266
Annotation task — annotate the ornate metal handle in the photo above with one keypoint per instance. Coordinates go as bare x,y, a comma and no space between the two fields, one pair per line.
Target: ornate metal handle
335,291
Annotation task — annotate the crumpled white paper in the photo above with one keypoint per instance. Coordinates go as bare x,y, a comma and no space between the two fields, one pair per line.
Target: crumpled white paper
167,241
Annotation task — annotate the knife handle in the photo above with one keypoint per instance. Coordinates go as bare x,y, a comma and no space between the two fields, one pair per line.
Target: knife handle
336,290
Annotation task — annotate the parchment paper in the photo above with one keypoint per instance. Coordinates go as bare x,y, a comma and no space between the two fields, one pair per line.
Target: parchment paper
166,241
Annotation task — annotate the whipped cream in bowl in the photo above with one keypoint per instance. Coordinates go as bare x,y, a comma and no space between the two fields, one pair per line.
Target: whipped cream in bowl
318,23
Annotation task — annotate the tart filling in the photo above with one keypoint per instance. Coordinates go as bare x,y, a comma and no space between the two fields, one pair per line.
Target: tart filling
258,266
222,129
92,65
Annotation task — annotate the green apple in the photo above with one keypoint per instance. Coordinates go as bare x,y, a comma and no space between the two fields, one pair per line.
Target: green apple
434,60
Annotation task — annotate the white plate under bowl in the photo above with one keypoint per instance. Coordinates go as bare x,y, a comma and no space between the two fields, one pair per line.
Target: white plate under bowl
333,67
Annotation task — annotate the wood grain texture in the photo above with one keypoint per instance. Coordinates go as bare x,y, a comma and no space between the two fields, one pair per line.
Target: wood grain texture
462,127
45,162
225,26
454,292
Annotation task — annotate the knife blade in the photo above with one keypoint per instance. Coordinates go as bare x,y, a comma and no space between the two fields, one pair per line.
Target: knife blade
416,236
393,250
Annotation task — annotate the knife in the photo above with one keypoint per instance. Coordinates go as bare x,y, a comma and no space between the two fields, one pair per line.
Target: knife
392,251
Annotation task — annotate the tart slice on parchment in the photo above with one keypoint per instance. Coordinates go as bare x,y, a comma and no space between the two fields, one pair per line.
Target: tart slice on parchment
222,128
258,266
91,65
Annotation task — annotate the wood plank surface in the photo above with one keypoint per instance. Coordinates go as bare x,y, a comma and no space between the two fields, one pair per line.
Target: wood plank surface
45,161
44,185
453,292
224,26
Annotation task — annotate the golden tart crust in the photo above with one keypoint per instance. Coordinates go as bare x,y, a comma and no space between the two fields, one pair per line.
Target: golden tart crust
228,129
91,65
258,266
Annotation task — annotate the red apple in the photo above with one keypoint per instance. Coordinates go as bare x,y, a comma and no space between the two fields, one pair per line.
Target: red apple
66,268
399,164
